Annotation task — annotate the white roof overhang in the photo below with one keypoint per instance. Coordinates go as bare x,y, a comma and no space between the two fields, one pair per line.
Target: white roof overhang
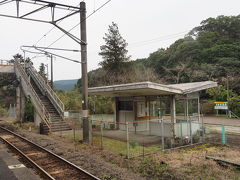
149,89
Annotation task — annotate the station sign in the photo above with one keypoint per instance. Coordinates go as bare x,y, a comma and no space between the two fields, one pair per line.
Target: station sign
221,105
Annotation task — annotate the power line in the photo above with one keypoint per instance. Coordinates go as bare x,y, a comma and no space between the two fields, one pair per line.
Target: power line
51,29
56,49
44,52
80,22
157,39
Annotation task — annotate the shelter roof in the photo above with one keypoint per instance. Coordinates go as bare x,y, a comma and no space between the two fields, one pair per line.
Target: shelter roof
150,88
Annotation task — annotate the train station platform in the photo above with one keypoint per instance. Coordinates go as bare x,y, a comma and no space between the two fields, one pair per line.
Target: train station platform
12,169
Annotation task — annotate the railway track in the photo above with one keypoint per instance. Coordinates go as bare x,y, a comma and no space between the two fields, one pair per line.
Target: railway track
48,164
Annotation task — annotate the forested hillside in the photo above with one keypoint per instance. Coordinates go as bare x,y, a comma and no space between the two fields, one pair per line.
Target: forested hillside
66,85
210,51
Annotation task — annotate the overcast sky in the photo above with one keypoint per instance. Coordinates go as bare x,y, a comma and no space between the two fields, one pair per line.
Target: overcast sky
146,26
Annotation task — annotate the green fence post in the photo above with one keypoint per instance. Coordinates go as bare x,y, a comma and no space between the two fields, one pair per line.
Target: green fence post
223,135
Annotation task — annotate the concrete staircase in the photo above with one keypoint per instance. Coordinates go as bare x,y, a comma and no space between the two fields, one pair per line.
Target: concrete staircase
56,120
48,106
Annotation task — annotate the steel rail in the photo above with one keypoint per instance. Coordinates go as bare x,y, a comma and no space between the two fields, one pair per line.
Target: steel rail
49,152
223,161
30,160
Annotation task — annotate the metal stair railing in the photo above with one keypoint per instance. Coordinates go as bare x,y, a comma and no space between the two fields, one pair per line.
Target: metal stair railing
29,91
45,88
6,62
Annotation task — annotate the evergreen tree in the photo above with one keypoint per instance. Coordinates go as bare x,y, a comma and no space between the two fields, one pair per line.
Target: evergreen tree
42,70
114,52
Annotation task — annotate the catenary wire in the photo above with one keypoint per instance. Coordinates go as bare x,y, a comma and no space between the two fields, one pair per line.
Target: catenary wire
51,29
80,22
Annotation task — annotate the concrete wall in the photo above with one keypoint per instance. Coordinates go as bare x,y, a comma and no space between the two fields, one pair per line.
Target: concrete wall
37,118
156,129
183,129
6,69
125,116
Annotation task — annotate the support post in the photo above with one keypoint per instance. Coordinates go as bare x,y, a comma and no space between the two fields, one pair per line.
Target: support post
190,129
117,112
173,116
20,104
181,130
187,114
127,140
24,59
87,135
52,71
162,134
173,109
199,109
223,135
102,135
18,101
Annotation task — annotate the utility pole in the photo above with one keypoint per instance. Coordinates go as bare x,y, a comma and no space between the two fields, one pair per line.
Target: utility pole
52,71
86,123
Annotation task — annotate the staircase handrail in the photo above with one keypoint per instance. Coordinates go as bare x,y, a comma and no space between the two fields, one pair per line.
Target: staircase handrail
6,62
46,88
44,113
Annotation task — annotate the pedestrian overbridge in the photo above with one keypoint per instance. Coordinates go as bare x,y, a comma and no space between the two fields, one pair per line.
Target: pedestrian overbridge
6,67
48,108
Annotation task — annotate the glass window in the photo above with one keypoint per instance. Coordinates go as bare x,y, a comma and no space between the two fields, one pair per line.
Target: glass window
125,105
140,109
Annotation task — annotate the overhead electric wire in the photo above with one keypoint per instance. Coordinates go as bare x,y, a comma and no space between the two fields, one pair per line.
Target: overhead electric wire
73,60
51,29
157,39
80,22
24,50
57,5
5,2
44,52
37,57
57,49
100,7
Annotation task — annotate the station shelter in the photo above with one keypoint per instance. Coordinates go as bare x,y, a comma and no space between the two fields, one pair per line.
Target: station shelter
157,109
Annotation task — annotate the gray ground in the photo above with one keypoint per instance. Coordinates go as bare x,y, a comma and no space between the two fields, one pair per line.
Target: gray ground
18,171
221,120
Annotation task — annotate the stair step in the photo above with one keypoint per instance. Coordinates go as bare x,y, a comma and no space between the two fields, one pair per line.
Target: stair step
54,129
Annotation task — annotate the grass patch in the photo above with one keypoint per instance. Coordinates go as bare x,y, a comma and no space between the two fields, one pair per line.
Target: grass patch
202,147
116,146
153,170
28,126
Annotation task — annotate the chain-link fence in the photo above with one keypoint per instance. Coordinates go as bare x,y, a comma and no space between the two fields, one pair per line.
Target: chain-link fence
222,134
141,138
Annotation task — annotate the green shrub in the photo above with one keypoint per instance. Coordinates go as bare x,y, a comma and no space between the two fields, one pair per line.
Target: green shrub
154,170
3,111
29,112
207,107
